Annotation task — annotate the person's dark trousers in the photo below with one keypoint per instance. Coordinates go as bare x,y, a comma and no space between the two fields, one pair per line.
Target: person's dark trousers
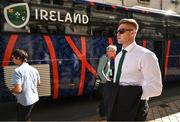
126,104
142,111
24,112
110,92
102,105
141,114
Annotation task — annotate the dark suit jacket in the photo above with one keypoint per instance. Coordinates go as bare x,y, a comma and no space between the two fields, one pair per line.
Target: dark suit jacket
123,102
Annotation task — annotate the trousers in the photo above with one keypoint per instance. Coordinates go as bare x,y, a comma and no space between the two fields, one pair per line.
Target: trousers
24,112
125,104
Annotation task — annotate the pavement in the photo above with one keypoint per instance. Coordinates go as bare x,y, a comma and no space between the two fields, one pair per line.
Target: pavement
167,110
164,108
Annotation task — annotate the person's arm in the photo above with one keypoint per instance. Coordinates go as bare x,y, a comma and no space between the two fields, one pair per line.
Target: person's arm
38,78
16,79
152,84
17,89
39,83
100,69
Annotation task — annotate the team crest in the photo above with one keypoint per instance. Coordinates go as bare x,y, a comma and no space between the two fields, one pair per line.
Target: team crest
17,15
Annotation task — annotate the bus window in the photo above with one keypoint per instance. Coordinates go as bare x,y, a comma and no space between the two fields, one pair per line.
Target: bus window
173,35
104,22
45,1
173,27
58,2
151,28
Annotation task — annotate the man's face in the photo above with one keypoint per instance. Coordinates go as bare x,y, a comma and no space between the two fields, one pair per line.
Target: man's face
16,61
111,53
125,34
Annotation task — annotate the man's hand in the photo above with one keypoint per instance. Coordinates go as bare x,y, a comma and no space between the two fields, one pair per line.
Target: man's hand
109,79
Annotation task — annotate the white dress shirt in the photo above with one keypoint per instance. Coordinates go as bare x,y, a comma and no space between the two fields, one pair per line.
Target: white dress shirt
140,68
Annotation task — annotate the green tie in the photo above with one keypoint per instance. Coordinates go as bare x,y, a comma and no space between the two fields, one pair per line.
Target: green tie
118,74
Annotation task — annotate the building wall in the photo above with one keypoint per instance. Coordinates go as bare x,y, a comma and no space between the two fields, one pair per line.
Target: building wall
114,2
167,5
157,4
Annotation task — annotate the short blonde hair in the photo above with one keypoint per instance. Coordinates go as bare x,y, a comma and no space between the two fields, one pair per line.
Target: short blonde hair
111,47
132,22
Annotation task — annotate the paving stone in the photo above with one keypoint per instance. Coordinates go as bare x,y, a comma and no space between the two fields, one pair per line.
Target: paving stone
165,112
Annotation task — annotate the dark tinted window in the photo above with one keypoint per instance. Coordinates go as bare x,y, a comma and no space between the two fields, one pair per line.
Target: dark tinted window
173,27
150,26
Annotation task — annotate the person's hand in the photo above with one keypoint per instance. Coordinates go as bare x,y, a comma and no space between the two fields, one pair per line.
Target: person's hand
109,79
12,92
39,83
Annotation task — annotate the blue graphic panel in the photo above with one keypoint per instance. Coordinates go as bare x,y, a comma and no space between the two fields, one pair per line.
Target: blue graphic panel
69,64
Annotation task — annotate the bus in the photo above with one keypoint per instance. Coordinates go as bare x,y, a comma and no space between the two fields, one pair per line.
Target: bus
65,40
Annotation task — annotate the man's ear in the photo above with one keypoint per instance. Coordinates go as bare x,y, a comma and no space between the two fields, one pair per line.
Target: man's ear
18,58
133,32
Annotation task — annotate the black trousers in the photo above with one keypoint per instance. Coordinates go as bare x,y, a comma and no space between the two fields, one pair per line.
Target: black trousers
105,93
24,112
102,104
125,104
142,111
110,89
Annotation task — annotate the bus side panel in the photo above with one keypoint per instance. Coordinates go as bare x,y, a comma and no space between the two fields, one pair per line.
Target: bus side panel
173,67
5,94
73,51
76,57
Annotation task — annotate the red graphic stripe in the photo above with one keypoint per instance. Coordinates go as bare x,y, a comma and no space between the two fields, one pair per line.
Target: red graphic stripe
114,6
167,58
110,41
9,49
73,46
54,66
144,43
90,68
83,70
81,57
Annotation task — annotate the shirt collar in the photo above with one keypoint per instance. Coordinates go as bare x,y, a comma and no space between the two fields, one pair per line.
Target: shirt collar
130,47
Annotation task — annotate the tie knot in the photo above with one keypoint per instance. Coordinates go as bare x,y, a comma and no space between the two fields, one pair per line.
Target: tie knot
124,51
